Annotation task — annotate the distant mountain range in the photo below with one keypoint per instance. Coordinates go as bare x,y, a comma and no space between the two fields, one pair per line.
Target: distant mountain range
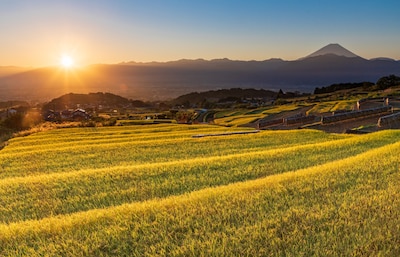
165,80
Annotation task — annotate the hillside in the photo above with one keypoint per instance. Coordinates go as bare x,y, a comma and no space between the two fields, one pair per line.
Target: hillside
91,100
10,70
156,190
224,95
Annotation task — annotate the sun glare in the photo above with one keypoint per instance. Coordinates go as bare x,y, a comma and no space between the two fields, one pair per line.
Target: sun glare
66,61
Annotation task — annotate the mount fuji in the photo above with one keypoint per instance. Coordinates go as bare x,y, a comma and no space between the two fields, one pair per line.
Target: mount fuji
334,49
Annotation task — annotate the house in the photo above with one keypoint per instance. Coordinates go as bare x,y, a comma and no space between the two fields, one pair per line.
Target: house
51,115
67,115
11,112
79,115
7,113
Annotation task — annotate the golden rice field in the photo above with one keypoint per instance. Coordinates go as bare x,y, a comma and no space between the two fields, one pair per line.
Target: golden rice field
241,117
155,190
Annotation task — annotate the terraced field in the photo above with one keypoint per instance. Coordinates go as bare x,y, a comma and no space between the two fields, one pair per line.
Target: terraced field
154,190
237,118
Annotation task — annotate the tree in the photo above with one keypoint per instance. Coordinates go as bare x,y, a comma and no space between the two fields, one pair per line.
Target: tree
388,81
280,94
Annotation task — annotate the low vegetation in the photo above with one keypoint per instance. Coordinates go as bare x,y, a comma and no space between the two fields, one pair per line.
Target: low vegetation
154,190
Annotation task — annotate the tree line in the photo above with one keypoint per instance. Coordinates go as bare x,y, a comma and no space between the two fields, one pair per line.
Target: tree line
382,84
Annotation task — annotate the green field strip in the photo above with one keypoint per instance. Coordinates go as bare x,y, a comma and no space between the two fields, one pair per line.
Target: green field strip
81,156
70,137
62,144
349,207
344,105
248,116
98,132
68,192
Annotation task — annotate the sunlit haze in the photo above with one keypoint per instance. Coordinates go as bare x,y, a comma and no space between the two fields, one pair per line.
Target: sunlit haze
34,33
66,61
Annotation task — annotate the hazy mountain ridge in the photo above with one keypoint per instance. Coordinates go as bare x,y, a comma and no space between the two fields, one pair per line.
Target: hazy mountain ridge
167,80
10,70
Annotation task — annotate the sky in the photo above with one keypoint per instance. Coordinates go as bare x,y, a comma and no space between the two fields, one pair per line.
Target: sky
37,33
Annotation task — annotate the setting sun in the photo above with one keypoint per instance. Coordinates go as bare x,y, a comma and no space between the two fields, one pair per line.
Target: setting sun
66,61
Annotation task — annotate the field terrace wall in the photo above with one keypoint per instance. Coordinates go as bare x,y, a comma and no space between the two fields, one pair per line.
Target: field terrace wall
392,120
299,119
267,123
341,112
355,114
376,100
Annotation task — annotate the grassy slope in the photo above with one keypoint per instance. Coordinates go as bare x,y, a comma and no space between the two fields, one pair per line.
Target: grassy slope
237,118
270,193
